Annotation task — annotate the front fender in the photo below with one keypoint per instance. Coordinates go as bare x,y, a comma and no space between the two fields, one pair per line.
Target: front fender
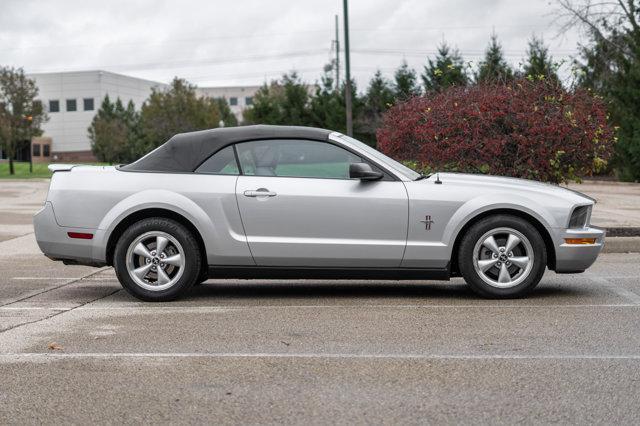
488,202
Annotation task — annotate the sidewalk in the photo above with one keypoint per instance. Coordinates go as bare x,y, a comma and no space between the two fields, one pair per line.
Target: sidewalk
617,210
618,203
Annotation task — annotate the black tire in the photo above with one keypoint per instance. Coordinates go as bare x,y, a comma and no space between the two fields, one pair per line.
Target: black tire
204,275
468,251
192,259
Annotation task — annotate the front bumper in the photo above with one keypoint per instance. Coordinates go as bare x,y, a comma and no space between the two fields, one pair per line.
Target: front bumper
571,258
56,244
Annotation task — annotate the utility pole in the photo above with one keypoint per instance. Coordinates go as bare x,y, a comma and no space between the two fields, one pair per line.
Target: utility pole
337,41
347,63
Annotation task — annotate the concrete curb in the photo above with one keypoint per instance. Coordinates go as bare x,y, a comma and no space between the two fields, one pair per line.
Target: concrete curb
621,245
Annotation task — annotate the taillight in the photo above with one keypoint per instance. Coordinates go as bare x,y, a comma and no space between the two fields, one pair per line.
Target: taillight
80,235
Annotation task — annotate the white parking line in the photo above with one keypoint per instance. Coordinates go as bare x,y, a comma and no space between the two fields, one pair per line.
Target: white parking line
41,356
226,308
620,291
47,278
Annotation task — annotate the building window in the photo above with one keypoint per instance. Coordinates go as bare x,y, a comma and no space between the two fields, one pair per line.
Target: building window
233,101
54,106
45,150
36,150
88,104
72,105
248,101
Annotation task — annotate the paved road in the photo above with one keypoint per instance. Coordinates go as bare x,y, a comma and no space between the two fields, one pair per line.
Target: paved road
76,348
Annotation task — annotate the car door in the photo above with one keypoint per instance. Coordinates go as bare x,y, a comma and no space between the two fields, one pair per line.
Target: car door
299,207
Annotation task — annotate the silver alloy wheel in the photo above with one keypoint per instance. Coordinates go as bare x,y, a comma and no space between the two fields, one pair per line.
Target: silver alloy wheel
155,260
503,257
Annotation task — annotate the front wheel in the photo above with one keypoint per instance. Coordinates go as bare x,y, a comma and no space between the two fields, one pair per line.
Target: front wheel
157,259
502,256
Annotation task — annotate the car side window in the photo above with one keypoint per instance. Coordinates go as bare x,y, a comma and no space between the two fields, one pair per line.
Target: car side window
295,158
222,162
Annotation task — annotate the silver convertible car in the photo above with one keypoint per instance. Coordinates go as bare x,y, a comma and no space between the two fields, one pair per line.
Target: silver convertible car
297,202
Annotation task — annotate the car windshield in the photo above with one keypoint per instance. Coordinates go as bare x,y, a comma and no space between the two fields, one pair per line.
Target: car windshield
397,166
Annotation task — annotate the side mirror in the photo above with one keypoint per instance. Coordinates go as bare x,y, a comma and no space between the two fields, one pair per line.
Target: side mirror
363,171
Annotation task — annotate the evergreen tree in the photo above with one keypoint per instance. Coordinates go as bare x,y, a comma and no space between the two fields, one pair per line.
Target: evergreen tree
226,115
281,102
447,69
377,100
405,84
494,68
327,107
115,132
539,64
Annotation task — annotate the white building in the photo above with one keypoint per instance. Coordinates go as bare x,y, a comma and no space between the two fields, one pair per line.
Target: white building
239,98
71,100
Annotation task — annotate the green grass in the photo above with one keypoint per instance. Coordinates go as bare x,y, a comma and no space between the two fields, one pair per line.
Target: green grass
40,170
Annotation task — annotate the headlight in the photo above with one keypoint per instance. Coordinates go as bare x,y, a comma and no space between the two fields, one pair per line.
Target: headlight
579,217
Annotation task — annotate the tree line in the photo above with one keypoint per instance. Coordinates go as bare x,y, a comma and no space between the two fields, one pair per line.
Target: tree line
290,101
120,134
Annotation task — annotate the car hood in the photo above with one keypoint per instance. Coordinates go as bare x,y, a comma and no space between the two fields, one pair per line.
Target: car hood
491,183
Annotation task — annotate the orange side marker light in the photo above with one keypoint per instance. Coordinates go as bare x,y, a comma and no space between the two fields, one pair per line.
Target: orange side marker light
580,240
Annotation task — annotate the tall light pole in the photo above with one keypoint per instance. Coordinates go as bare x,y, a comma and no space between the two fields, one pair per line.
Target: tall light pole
337,56
347,64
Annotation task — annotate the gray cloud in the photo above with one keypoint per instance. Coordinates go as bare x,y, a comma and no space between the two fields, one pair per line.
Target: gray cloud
250,41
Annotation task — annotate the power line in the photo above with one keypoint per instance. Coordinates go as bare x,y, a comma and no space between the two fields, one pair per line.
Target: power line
429,52
162,43
200,62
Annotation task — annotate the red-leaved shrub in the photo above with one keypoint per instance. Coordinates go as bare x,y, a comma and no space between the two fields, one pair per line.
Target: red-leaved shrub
531,129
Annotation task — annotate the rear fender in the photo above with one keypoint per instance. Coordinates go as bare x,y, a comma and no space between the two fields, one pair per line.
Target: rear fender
157,199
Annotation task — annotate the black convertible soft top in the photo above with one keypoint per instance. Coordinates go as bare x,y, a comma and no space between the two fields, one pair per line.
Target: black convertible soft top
186,151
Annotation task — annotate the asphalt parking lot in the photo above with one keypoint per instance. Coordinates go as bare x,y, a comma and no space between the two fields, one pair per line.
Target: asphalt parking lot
76,348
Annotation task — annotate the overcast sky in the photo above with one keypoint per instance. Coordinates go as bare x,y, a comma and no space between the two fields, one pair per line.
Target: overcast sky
242,42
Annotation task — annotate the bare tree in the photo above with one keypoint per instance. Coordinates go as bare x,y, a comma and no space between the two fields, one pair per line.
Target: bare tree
609,64
600,18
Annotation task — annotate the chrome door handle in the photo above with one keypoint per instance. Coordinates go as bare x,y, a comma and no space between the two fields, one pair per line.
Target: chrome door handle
261,192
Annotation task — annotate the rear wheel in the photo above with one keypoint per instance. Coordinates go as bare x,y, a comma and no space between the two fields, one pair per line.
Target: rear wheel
502,256
157,259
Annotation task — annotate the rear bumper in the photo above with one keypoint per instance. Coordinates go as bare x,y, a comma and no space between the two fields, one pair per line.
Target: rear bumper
578,257
56,244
